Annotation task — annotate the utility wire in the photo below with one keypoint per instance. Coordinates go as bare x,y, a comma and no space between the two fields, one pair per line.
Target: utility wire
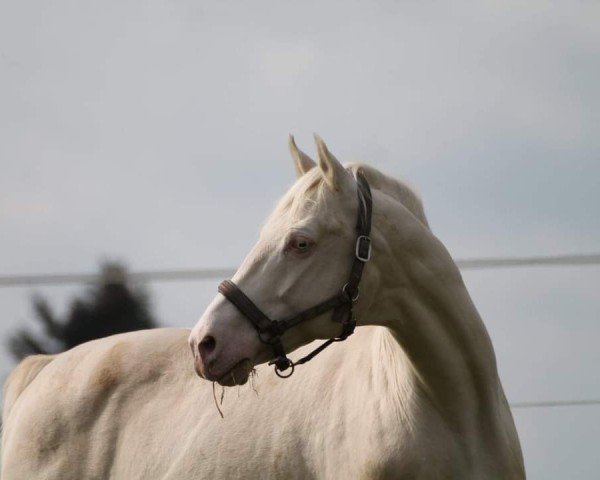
555,403
507,262
142,276
208,273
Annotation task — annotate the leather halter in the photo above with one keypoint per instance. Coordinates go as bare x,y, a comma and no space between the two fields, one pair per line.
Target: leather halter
270,331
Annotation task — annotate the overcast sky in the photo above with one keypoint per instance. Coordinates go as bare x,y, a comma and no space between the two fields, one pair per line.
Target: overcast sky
155,132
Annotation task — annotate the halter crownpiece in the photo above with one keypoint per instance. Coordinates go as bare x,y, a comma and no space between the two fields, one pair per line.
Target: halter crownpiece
271,331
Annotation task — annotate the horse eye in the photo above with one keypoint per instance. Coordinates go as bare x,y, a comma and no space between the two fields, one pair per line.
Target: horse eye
300,244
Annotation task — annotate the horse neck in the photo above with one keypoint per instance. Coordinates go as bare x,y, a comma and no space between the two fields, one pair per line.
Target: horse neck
420,296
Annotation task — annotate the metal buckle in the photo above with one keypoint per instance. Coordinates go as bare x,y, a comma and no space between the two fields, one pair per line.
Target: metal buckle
360,241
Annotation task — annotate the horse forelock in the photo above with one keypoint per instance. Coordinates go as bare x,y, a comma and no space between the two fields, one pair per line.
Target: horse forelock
303,200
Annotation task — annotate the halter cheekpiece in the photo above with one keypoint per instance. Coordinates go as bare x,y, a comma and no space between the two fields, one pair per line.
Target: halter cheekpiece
271,331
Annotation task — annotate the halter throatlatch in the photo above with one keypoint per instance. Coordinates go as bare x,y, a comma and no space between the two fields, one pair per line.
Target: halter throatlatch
271,331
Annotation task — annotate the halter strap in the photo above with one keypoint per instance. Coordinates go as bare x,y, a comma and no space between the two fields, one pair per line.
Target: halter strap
270,331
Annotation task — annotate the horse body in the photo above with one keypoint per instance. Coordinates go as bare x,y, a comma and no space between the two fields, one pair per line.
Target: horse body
413,394
131,407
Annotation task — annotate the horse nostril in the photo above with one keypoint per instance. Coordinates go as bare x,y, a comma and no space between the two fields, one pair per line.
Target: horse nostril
207,345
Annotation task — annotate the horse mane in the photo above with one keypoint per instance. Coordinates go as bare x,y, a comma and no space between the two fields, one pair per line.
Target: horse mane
396,189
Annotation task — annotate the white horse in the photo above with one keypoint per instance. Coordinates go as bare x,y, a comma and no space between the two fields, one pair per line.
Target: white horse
413,394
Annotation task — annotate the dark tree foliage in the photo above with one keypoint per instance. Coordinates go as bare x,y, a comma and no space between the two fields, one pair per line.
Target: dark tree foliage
112,306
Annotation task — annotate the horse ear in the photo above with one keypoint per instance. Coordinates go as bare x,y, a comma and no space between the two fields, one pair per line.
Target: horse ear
302,162
333,171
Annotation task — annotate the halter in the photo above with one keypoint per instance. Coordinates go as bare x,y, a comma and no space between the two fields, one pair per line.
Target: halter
271,331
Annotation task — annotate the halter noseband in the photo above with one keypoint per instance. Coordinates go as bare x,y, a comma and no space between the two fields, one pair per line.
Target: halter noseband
270,331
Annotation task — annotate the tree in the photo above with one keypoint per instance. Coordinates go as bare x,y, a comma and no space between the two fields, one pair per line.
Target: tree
109,307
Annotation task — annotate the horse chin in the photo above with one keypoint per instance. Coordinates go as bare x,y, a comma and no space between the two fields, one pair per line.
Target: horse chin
238,375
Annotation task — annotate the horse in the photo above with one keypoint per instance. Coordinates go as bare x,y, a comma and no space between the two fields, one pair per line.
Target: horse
413,393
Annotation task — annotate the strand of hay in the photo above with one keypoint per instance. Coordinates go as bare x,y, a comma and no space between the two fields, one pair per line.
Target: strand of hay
217,403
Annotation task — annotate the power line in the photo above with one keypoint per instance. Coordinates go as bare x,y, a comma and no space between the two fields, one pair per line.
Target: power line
555,403
507,262
142,276
217,273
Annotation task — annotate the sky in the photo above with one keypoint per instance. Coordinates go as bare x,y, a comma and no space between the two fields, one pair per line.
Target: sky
156,133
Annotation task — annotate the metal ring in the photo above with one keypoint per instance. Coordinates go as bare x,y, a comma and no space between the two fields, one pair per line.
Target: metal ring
282,375
346,293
